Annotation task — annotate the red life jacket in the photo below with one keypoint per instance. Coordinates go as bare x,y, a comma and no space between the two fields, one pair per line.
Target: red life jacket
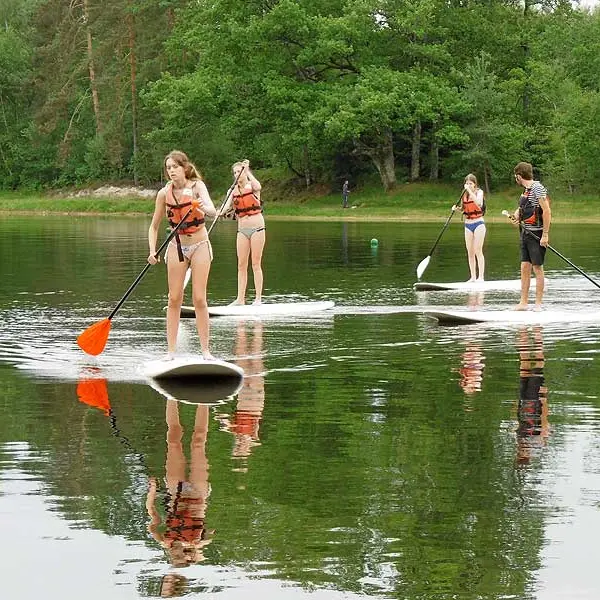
247,204
176,211
470,208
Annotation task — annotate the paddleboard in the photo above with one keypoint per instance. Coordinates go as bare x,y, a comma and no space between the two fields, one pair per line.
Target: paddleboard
191,368
473,286
194,391
268,309
517,317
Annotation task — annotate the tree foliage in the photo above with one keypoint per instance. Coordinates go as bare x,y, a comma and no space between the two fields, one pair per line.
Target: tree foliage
326,89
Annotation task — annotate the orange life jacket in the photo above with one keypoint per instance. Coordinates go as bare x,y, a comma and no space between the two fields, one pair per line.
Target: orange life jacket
245,423
470,208
247,204
176,211
183,522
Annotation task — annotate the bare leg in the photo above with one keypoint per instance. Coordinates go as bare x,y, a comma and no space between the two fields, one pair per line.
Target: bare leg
200,269
525,282
198,460
478,239
243,254
175,463
257,245
539,285
175,276
469,243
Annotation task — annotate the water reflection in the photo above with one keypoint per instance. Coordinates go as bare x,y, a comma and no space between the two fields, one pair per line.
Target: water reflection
345,259
532,411
472,366
179,525
245,421
475,299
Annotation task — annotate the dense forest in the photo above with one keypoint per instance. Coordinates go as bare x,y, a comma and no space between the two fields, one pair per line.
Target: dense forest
406,90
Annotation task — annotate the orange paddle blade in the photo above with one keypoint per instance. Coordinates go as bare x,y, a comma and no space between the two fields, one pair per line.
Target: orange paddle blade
94,338
95,393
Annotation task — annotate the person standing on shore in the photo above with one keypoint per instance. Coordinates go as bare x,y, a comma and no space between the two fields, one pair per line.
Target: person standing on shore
191,247
345,193
244,196
533,216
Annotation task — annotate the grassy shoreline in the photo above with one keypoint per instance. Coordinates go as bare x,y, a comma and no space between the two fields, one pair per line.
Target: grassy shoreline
421,202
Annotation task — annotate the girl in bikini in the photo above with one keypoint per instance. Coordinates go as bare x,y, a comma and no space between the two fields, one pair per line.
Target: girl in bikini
472,203
190,247
244,196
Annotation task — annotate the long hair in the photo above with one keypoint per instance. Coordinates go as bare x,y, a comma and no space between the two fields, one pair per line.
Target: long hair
471,177
181,158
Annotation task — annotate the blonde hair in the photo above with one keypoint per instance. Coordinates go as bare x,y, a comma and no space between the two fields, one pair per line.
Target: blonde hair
181,158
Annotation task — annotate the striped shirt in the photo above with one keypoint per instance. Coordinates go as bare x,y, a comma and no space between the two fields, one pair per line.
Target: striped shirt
530,203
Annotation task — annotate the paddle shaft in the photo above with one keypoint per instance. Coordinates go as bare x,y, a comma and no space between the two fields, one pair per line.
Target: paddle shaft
226,199
188,273
148,265
439,237
563,257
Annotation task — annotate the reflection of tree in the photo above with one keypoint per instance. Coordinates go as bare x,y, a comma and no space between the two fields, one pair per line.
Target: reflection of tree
182,533
472,366
532,411
245,421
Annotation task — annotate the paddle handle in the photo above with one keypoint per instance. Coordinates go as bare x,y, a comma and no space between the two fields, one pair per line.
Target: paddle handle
507,214
148,265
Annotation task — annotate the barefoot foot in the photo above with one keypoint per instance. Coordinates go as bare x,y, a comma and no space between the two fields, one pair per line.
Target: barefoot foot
521,306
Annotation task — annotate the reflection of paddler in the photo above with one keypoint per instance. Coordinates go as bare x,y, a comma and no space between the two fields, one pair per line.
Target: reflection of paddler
532,412
183,534
471,370
475,299
245,421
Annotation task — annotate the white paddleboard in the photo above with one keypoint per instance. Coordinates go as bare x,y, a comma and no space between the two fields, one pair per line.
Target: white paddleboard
517,317
191,368
267,309
473,286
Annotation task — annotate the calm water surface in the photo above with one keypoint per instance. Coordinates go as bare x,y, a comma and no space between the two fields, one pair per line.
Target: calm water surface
369,453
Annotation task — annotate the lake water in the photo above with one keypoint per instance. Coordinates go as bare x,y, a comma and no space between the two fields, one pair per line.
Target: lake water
369,453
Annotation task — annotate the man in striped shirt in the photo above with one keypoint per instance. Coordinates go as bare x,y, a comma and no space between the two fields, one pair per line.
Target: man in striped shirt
534,216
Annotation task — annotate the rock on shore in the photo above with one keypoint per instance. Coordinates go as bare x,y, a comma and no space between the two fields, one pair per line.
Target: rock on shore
112,191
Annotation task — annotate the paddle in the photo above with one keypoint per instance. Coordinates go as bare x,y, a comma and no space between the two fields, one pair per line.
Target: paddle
511,217
94,338
188,273
425,262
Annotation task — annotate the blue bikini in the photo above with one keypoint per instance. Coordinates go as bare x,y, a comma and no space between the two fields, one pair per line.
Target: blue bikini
473,226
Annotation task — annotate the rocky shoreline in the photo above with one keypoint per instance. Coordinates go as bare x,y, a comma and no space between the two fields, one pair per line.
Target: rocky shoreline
112,191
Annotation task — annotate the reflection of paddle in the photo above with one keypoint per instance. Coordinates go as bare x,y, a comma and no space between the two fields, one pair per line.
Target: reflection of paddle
425,262
511,217
94,338
94,392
